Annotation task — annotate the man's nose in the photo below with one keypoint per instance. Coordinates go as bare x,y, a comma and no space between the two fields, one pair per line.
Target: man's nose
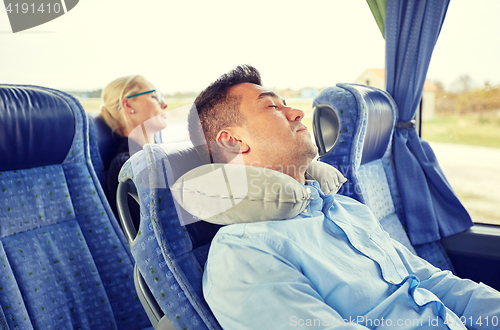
163,105
294,114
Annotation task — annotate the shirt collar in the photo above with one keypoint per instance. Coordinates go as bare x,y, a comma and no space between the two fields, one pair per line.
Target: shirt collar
320,201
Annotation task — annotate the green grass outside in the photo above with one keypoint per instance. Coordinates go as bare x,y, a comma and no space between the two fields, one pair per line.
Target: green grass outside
463,129
459,129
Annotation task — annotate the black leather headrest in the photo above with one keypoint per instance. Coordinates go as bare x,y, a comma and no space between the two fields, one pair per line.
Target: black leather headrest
37,127
375,114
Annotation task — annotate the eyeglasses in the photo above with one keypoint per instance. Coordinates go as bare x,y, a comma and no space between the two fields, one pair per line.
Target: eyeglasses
156,93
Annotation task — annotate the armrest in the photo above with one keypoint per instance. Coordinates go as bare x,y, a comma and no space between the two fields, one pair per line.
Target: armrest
480,241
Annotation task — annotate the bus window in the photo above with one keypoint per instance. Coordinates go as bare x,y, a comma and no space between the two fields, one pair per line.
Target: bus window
464,130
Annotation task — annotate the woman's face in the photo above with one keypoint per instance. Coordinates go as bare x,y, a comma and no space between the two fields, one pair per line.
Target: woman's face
146,109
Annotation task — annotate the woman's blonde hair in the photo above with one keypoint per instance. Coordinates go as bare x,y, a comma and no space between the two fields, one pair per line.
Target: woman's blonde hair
112,97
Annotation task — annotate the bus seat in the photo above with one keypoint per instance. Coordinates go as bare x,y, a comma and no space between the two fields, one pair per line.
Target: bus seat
104,146
66,263
95,154
107,140
171,246
170,253
359,144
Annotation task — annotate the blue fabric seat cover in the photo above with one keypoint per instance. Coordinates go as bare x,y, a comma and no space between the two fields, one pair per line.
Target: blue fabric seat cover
163,249
364,155
64,262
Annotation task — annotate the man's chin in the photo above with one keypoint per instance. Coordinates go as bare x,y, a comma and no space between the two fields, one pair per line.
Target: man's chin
312,151
309,139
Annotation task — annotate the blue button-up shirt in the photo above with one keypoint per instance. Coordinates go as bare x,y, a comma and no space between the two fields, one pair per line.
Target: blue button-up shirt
333,265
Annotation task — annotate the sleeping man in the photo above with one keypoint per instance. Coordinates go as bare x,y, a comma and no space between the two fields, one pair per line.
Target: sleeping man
330,266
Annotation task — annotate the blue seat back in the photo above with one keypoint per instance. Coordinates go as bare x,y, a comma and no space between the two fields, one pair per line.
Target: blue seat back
104,145
97,157
363,153
66,264
169,249
107,140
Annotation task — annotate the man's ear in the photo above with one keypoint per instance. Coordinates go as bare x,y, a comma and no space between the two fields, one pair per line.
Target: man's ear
230,142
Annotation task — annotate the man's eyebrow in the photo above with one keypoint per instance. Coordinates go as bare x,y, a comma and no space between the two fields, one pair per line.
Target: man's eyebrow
264,94
271,94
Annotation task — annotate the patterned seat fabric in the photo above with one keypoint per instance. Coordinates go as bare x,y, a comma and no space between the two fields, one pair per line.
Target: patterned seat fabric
363,154
169,254
64,261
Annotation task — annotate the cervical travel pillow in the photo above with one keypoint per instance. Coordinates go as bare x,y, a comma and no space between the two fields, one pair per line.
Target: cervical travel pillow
227,193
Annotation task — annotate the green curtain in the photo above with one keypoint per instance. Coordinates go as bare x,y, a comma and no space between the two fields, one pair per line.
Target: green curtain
378,10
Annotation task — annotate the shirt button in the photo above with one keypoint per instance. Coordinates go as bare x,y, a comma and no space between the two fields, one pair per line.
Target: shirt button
308,190
304,211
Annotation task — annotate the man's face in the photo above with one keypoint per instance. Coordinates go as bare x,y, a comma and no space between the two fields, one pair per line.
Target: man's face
273,131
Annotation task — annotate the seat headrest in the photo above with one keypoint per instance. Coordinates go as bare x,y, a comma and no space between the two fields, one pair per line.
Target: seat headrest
107,141
37,127
177,158
380,111
374,124
181,157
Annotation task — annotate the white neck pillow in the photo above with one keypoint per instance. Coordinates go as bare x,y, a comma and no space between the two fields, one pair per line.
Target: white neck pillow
226,193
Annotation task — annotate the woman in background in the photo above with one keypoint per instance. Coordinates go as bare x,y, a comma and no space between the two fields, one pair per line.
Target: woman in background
134,110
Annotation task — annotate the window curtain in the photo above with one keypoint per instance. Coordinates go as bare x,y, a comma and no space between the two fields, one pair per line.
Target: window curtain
411,29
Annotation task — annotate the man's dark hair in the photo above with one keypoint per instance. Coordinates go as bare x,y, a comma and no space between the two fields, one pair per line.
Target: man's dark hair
217,108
